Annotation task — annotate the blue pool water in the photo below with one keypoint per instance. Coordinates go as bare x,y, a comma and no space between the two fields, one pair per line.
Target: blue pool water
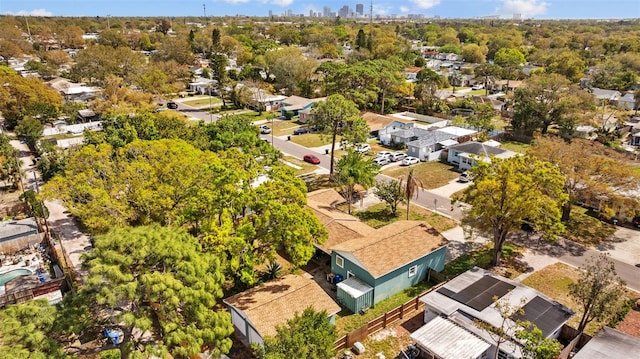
15,273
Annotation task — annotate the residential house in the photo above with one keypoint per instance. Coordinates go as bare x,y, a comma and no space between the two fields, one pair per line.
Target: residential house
73,91
586,131
635,139
19,234
374,263
385,262
203,86
340,226
453,311
422,121
261,98
382,126
609,343
296,104
411,73
506,85
257,312
627,102
498,106
408,135
607,96
429,147
466,155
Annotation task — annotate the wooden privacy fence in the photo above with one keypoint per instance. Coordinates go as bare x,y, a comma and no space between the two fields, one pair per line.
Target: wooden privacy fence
382,322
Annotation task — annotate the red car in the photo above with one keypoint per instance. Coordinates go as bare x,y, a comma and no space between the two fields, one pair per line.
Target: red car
311,159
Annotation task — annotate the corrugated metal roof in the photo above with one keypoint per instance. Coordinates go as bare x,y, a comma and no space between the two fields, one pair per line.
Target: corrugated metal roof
354,287
448,340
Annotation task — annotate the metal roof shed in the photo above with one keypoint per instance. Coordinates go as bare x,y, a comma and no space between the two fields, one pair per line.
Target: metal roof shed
355,294
446,340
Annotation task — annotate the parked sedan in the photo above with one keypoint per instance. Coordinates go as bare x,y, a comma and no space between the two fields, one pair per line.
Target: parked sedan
381,161
408,161
384,154
301,130
311,159
264,129
172,105
397,156
363,148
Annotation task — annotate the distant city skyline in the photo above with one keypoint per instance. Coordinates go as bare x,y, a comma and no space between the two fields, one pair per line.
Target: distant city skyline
537,9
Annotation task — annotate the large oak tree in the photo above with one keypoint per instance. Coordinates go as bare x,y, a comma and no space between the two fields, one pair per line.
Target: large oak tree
509,192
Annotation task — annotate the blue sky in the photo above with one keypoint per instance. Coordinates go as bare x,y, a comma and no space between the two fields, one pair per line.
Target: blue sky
538,9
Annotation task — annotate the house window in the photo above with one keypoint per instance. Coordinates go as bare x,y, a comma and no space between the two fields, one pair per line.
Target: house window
340,261
349,274
503,355
413,270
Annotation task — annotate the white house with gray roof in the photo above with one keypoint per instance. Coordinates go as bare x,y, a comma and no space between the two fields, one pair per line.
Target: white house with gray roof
453,311
466,155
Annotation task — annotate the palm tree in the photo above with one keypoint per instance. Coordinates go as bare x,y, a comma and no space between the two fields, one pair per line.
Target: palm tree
351,170
410,186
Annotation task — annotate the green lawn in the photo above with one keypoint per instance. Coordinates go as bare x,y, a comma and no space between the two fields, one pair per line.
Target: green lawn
311,140
304,167
585,229
431,174
203,102
515,146
482,256
347,321
377,216
554,281
281,128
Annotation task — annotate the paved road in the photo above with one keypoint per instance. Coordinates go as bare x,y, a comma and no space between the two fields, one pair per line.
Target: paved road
427,199
195,112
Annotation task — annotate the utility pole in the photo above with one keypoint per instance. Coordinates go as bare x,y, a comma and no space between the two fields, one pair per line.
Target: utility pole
371,13
28,29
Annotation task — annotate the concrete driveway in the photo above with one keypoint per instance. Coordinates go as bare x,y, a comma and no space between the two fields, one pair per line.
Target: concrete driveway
449,189
624,246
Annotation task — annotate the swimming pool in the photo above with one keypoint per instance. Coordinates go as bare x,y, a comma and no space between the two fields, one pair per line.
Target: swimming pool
12,274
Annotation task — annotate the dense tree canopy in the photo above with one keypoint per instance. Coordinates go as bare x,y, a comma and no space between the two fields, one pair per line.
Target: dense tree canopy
337,116
308,335
154,283
549,99
591,172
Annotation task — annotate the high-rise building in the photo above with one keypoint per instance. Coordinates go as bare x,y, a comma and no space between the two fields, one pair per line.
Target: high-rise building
344,11
326,11
359,9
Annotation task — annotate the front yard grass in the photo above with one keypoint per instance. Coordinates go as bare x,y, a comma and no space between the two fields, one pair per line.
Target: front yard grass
515,146
431,174
378,215
311,140
203,102
304,167
347,321
482,256
554,281
587,230
281,128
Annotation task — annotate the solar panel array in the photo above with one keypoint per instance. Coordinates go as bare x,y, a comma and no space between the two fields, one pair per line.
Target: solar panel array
546,315
480,294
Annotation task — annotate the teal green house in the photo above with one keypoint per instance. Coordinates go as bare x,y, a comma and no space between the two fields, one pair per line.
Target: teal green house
385,261
298,106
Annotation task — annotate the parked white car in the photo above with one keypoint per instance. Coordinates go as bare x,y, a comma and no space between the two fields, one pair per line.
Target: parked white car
465,177
384,154
477,87
363,148
397,156
381,161
408,161
264,129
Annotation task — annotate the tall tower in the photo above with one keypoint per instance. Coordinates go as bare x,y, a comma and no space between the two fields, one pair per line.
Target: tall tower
204,8
371,13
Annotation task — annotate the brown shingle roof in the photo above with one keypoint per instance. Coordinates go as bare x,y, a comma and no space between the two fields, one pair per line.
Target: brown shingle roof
274,303
377,122
340,226
393,246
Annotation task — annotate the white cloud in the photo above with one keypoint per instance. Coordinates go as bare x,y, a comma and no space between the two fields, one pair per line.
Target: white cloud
35,12
281,2
404,9
528,8
233,2
425,4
